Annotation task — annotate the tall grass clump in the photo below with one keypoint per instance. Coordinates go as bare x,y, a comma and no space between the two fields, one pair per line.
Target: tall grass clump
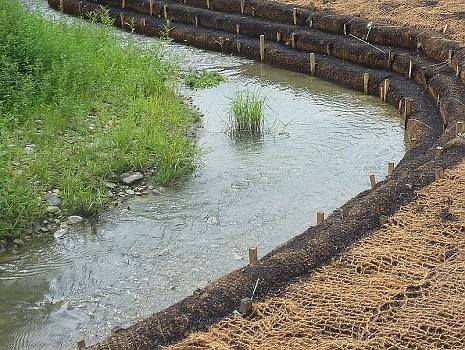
246,114
77,109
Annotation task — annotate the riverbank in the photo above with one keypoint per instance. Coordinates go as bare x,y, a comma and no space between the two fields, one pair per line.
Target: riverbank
82,128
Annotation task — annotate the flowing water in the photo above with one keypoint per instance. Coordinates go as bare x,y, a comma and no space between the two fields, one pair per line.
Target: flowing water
323,142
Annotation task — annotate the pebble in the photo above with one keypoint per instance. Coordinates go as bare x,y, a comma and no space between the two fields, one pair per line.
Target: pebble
75,219
130,192
60,232
131,178
18,241
53,201
52,209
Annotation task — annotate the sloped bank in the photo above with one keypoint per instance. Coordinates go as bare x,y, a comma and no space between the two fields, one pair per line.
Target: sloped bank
345,49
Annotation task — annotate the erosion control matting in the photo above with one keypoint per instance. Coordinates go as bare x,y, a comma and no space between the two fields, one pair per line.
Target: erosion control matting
401,287
402,65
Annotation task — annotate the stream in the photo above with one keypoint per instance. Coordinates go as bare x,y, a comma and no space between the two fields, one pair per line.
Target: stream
322,142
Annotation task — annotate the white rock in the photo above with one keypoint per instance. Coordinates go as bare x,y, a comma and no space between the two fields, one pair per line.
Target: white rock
75,219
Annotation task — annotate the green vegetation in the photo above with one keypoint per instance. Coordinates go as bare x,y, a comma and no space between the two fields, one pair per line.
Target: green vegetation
78,108
246,115
203,80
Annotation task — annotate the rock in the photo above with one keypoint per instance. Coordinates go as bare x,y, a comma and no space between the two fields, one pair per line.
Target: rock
109,184
132,178
60,232
18,241
52,209
53,201
130,192
75,219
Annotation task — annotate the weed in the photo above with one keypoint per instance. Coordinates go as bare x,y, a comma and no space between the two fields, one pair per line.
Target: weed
246,114
203,80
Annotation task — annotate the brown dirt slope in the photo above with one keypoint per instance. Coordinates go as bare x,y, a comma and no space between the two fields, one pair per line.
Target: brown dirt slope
428,14
401,287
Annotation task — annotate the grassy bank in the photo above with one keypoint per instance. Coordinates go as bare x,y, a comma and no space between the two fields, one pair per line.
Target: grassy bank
77,109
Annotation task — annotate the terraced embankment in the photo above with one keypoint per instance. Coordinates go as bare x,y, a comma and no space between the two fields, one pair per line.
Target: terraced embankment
397,63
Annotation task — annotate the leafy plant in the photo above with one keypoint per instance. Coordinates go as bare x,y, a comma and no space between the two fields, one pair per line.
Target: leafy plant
166,27
204,79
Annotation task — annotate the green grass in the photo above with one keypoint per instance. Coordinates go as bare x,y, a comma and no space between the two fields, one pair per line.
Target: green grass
78,108
246,114
204,79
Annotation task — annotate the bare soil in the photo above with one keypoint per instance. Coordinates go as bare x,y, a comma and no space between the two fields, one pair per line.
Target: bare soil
428,14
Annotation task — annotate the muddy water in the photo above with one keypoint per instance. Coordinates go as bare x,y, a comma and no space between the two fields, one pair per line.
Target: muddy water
323,142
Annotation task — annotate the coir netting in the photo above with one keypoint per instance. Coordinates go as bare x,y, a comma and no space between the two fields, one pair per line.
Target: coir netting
402,287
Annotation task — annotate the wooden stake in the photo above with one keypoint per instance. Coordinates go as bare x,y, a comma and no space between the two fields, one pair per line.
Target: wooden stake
253,11
151,7
408,107
385,89
320,217
238,45
196,19
381,93
253,255
142,22
328,50
122,20
390,168
399,107
278,36
165,11
458,69
246,306
366,79
372,180
445,28
242,6
293,40
438,152
310,22
238,28
410,68
460,127
294,15
262,47
449,56
123,3
80,343
208,4
391,58
438,173
61,5
345,29
221,41
312,64
383,220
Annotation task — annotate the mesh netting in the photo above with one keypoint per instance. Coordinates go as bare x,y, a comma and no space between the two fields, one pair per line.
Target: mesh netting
430,14
402,287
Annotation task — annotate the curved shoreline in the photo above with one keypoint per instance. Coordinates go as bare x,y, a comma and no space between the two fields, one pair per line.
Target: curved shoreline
439,98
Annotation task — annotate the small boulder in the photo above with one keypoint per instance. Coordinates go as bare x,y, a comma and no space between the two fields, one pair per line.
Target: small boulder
131,178
75,219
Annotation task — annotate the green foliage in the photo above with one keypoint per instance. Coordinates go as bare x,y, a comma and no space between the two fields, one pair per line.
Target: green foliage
77,109
203,80
246,115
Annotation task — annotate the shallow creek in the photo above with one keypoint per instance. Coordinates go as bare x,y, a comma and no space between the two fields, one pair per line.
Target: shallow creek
323,142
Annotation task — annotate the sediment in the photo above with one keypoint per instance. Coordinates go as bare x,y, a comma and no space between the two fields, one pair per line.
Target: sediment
420,65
